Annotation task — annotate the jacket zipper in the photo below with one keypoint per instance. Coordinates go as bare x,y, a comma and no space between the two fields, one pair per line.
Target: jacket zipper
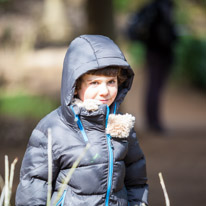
109,186
110,170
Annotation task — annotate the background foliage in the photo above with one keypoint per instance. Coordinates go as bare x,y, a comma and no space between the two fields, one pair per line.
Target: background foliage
28,26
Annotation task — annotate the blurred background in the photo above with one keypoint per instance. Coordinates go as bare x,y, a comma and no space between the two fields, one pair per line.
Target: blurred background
34,37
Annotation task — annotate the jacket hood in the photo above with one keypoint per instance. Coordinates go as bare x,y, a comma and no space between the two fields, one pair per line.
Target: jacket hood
89,52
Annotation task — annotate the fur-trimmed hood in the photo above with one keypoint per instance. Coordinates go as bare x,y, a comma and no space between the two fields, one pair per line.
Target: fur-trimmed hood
89,52
118,126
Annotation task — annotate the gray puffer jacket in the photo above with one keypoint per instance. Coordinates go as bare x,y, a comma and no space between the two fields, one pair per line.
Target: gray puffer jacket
112,172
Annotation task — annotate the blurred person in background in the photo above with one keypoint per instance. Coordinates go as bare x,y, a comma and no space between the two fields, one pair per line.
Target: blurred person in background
153,25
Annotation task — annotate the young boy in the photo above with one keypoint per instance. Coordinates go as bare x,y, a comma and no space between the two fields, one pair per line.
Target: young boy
96,77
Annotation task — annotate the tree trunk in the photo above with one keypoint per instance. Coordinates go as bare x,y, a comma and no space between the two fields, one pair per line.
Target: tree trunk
55,27
100,17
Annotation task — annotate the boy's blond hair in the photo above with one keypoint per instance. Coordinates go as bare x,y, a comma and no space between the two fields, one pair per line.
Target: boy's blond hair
107,71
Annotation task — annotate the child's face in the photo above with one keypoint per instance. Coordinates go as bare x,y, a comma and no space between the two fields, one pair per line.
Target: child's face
102,88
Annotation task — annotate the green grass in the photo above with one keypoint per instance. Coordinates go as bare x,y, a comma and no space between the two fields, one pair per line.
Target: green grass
25,105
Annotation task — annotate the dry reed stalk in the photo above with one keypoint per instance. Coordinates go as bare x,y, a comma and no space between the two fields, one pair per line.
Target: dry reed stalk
2,190
12,177
68,177
2,196
167,201
6,195
49,151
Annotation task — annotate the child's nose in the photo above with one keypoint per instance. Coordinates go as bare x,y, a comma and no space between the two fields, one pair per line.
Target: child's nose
104,89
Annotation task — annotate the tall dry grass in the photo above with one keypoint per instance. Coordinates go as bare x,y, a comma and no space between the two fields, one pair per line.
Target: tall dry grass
6,185
167,201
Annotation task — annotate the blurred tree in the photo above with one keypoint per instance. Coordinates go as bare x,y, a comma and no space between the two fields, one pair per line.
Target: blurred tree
55,27
100,17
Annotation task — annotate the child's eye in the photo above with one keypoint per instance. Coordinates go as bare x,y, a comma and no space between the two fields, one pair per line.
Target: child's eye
112,81
94,83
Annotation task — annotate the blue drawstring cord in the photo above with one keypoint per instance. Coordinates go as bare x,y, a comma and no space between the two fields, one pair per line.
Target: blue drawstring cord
79,123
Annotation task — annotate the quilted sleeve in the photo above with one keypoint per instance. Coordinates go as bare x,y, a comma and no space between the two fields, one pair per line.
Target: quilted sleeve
32,189
136,177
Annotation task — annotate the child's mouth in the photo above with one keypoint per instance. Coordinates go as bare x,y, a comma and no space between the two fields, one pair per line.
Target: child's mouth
104,100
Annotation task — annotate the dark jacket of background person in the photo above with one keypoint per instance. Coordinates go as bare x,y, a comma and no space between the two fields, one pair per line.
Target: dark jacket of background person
161,32
154,27
89,182
159,59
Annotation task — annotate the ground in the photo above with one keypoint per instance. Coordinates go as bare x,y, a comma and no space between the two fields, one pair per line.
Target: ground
179,153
